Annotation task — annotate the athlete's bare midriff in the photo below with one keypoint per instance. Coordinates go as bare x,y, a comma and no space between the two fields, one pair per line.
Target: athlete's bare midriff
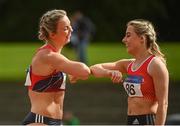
141,106
48,104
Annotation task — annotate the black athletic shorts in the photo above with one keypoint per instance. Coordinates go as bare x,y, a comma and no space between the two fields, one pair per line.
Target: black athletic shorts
36,118
148,119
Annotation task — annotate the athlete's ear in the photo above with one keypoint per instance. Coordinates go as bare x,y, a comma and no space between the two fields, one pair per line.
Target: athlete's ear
143,39
52,34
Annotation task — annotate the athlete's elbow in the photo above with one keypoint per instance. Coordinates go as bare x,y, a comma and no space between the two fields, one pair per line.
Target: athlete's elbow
85,71
163,104
93,71
96,72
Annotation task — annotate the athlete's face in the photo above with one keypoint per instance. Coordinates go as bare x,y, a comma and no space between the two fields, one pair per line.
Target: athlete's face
63,32
132,41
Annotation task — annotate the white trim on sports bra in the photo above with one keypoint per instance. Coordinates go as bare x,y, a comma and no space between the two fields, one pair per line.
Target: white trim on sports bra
139,65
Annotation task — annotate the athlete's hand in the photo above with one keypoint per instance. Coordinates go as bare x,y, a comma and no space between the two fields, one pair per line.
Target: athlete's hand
72,79
116,76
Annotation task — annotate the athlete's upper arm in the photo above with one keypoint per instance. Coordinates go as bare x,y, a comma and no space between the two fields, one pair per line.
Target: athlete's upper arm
122,65
61,63
160,75
101,69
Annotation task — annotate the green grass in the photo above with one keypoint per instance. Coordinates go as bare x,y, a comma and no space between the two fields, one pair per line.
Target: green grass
172,53
16,57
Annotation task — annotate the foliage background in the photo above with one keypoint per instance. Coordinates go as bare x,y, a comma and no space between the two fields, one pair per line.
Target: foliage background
19,18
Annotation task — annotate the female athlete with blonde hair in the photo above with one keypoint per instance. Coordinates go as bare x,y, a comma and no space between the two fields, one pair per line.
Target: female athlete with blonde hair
147,76
46,74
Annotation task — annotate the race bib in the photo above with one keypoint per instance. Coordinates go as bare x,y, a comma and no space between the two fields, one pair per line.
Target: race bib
132,85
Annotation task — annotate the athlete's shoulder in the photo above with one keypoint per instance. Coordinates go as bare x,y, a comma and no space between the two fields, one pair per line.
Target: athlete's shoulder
156,65
43,52
156,61
123,64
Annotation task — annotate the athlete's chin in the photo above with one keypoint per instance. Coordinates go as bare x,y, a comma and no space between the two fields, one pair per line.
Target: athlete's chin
130,51
67,41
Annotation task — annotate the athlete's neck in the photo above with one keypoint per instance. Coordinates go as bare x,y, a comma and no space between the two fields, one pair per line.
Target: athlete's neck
56,46
142,56
140,59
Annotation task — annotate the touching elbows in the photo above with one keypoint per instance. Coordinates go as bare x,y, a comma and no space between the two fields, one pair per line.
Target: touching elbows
95,71
85,72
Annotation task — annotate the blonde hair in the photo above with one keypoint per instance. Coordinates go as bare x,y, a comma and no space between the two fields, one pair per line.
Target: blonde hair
48,23
146,28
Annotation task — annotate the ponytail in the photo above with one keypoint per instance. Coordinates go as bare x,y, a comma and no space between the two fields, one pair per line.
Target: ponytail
155,50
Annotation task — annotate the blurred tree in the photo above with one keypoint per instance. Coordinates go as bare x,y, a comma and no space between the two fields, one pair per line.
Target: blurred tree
170,26
19,18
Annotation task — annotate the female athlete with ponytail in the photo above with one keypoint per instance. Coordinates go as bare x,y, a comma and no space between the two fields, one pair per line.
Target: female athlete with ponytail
147,76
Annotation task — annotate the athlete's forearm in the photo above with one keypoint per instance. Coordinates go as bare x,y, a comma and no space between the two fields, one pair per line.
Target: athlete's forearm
99,71
161,114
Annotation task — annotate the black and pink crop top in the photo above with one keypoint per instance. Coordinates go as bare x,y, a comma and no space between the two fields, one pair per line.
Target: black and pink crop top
51,83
